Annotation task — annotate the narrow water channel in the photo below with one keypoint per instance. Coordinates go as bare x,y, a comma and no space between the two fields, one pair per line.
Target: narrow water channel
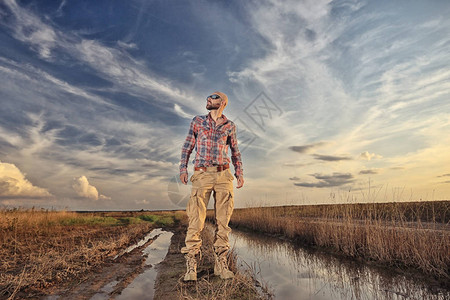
143,286
292,272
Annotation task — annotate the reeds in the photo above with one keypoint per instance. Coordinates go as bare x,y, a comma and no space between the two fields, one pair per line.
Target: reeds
414,234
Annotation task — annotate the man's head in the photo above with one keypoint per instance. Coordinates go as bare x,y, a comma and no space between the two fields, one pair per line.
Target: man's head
217,101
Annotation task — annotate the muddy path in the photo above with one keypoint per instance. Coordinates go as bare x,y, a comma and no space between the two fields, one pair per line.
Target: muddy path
154,269
112,279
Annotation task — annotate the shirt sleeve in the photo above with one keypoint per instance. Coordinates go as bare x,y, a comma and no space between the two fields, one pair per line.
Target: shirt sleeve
188,146
235,154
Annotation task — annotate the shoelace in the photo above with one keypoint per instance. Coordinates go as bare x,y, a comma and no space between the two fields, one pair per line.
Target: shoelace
191,264
223,262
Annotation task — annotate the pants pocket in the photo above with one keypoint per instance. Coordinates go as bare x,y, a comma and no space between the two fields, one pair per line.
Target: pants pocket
196,175
192,204
230,205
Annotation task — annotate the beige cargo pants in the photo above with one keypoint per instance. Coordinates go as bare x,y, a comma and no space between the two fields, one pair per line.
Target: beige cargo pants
203,184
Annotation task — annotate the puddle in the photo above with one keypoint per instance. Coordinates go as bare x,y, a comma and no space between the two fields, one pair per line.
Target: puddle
104,291
149,236
291,272
142,287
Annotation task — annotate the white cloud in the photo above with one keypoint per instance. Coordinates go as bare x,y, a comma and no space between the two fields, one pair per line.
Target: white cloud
113,64
127,45
13,184
368,156
30,29
181,112
84,189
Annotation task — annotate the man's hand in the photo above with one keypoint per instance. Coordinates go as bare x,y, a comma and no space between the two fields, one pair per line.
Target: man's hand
240,182
184,178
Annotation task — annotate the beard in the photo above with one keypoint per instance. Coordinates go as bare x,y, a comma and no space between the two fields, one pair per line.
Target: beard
212,107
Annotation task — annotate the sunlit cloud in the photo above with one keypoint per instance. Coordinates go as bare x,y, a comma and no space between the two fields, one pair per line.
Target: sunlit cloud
84,189
13,184
368,156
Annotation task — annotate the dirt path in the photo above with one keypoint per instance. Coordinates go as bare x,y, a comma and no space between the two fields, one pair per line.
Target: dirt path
112,279
118,273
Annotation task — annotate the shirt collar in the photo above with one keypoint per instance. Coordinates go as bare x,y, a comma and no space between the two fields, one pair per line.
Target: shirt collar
223,119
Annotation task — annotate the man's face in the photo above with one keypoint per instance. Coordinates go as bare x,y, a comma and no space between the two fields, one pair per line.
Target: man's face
213,104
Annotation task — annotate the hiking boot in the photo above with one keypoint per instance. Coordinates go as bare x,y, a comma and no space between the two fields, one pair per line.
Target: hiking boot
221,264
191,264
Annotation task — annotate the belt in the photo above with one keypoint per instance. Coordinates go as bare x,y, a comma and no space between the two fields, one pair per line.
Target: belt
214,168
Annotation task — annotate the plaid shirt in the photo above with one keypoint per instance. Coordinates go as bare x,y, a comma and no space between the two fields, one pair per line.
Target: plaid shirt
211,141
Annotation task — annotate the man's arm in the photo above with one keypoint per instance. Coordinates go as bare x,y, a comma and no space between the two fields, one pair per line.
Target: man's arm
235,154
188,146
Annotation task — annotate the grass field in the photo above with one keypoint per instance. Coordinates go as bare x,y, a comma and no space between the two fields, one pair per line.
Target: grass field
413,234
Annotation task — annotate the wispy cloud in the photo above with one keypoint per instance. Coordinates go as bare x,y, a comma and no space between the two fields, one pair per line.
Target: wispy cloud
330,157
306,148
369,172
111,63
444,175
180,112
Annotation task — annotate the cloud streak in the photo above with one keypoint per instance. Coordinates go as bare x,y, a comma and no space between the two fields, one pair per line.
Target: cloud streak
306,148
334,180
330,157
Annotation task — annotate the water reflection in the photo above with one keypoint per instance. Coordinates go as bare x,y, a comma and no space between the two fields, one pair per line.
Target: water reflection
142,287
143,241
295,273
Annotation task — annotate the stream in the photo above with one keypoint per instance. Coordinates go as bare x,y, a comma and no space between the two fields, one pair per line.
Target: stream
291,272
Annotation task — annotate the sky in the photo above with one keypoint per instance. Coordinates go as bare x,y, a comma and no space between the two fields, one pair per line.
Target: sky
334,101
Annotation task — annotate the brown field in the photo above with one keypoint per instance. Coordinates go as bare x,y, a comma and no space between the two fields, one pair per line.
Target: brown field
405,235
71,254
41,248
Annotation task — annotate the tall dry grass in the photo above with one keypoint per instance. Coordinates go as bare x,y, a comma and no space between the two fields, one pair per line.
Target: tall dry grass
415,234
41,248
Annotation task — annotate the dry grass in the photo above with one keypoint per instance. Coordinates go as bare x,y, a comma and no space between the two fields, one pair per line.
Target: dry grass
41,248
413,235
209,286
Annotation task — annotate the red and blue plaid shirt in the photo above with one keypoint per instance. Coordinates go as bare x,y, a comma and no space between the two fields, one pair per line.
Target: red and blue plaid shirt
211,141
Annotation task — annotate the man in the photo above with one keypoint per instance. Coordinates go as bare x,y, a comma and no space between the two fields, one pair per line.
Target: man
211,135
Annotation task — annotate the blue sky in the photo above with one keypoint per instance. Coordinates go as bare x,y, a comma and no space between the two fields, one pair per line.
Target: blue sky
335,101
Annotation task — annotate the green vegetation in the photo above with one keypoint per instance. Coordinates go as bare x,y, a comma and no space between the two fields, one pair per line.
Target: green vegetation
89,220
159,220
